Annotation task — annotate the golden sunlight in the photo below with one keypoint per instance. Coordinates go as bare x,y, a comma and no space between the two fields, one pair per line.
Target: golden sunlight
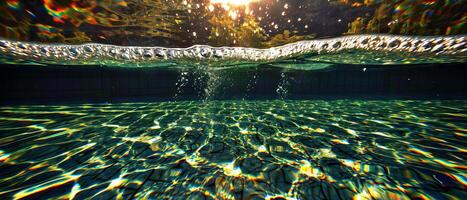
233,2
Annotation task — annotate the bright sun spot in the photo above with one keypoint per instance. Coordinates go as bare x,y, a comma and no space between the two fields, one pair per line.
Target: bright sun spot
233,2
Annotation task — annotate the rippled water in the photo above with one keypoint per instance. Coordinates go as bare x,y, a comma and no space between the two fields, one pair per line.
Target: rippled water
301,149
358,49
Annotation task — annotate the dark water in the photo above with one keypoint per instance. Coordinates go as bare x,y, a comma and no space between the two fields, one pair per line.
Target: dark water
294,149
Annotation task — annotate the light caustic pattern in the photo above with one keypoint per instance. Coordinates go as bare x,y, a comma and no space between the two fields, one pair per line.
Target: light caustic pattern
297,149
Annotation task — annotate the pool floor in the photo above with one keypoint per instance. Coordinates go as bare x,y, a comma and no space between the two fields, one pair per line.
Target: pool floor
265,149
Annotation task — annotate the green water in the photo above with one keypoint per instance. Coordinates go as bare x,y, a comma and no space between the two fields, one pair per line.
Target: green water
289,149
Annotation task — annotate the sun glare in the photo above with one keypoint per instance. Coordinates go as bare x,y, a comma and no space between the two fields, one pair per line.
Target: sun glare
233,2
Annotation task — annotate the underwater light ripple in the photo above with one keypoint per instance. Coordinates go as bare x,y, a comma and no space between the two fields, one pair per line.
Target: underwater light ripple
191,154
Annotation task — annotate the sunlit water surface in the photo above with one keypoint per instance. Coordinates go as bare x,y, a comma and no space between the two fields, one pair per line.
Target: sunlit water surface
302,149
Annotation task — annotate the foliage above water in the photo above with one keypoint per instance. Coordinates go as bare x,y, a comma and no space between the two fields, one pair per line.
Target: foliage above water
420,17
260,23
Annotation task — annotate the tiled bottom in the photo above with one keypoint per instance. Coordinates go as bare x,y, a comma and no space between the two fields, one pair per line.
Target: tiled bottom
298,149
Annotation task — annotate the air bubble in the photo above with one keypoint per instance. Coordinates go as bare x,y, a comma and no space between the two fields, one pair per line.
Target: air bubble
407,45
394,43
438,48
218,53
22,46
3,44
205,53
337,45
428,46
160,53
74,51
171,53
459,46
125,55
417,42
147,54
365,41
113,52
44,50
88,49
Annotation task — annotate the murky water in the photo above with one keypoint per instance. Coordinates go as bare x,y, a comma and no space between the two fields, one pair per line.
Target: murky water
294,149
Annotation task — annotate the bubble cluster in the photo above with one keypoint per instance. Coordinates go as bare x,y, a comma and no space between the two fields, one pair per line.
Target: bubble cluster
111,54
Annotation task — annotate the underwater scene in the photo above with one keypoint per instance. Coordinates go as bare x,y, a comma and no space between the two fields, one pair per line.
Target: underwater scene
233,99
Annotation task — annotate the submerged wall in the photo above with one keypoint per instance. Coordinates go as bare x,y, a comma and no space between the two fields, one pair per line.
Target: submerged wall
53,84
